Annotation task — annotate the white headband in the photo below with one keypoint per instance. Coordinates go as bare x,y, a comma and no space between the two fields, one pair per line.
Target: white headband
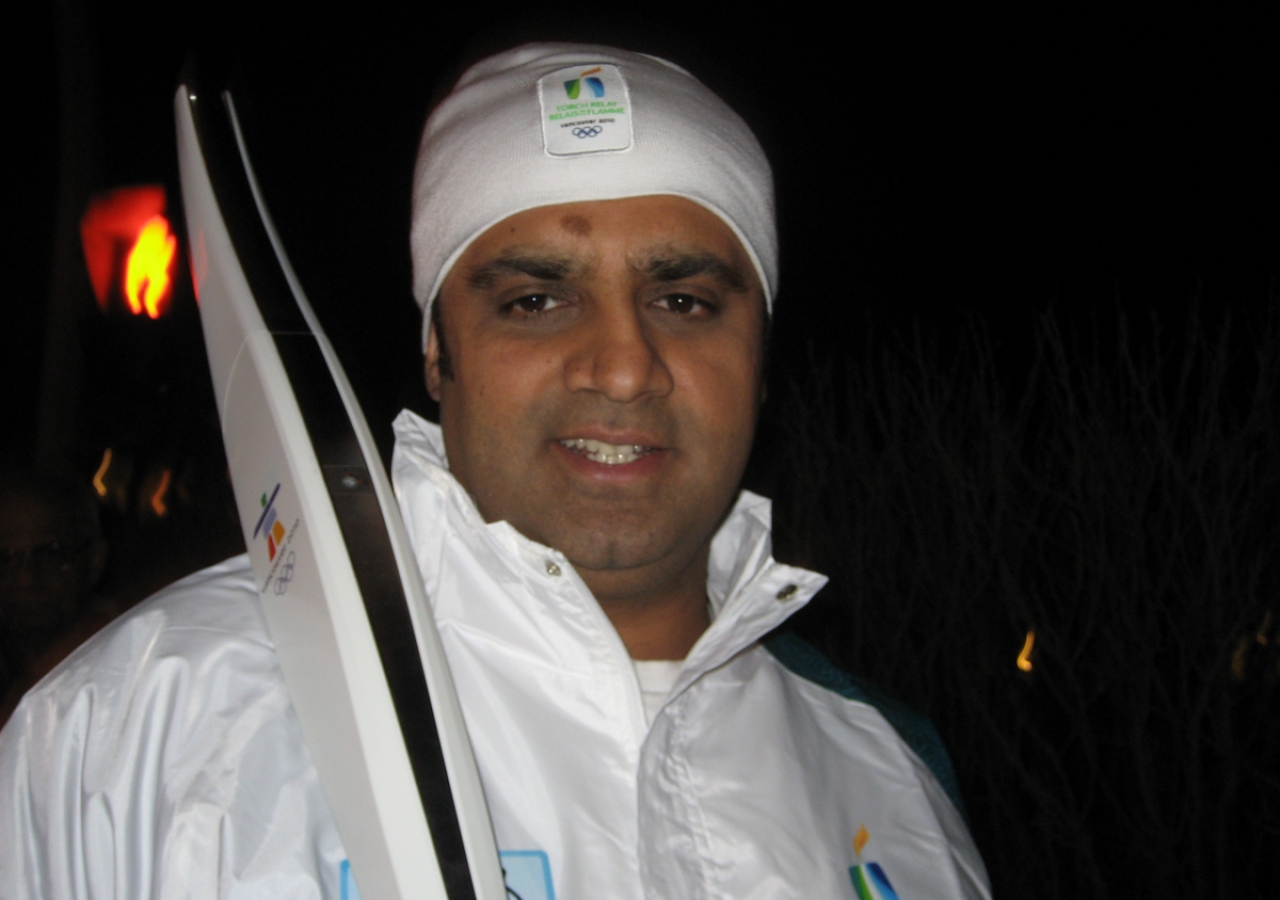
559,123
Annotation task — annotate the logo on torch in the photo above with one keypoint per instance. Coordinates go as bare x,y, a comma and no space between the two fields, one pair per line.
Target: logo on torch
270,526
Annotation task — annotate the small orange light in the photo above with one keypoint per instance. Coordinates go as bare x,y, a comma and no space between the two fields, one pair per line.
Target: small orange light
157,499
1239,659
98,484
1024,658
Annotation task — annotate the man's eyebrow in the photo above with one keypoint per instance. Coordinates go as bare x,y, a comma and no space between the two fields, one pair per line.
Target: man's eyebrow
543,267
677,266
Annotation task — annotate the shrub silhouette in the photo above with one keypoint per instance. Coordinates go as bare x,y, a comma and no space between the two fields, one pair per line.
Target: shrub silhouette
1121,498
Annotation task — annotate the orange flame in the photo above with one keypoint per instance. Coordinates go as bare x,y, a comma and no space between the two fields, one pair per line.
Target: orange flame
146,279
860,839
158,506
98,484
130,217
1024,658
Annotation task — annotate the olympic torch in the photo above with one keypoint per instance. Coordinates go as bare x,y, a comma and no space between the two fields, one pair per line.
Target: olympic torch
342,595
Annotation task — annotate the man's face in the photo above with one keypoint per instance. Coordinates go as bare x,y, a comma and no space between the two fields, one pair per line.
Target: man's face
606,376
49,565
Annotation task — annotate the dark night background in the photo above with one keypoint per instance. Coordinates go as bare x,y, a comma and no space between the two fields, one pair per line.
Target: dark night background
926,163
933,169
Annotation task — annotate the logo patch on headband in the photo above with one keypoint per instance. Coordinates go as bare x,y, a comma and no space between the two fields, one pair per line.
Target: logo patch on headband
585,109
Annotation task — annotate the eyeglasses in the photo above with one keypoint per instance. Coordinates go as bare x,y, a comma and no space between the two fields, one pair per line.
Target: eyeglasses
51,559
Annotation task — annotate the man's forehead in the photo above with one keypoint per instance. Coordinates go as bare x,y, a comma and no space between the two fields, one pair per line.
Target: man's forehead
665,262
663,237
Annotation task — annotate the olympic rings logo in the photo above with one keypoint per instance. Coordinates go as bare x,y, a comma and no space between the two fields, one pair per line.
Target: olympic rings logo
587,131
286,575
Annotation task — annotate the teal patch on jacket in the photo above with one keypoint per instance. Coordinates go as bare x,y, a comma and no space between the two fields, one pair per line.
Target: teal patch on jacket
805,660
527,874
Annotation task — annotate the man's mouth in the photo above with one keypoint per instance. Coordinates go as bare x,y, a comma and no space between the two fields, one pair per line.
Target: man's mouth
608,454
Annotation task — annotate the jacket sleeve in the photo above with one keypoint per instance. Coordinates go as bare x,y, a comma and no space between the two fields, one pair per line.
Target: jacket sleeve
19,862
59,836
162,760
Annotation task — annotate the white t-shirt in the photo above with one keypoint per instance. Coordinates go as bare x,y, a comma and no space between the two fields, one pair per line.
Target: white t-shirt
657,677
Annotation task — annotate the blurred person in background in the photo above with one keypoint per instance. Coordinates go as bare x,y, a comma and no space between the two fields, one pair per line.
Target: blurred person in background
51,556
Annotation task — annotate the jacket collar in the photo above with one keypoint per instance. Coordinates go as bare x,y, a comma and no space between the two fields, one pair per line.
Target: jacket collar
750,593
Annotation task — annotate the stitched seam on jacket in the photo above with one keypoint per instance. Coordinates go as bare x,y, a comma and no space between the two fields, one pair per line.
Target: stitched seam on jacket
695,821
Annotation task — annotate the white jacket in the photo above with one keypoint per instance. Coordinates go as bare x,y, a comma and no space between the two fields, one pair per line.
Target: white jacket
162,759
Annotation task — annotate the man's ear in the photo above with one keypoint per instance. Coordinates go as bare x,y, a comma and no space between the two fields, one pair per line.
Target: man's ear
433,363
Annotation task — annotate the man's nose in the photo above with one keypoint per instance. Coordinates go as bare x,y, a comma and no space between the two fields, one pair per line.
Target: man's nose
616,355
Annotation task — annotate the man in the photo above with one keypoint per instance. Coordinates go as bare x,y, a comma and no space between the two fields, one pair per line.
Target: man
51,556
594,249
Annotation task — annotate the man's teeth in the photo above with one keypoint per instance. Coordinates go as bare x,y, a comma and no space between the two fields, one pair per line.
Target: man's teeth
609,454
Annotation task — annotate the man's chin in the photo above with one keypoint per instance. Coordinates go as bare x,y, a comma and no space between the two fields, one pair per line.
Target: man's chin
610,558
620,569
597,552
630,548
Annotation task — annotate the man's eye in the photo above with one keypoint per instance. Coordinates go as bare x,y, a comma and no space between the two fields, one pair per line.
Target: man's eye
534,303
682,303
